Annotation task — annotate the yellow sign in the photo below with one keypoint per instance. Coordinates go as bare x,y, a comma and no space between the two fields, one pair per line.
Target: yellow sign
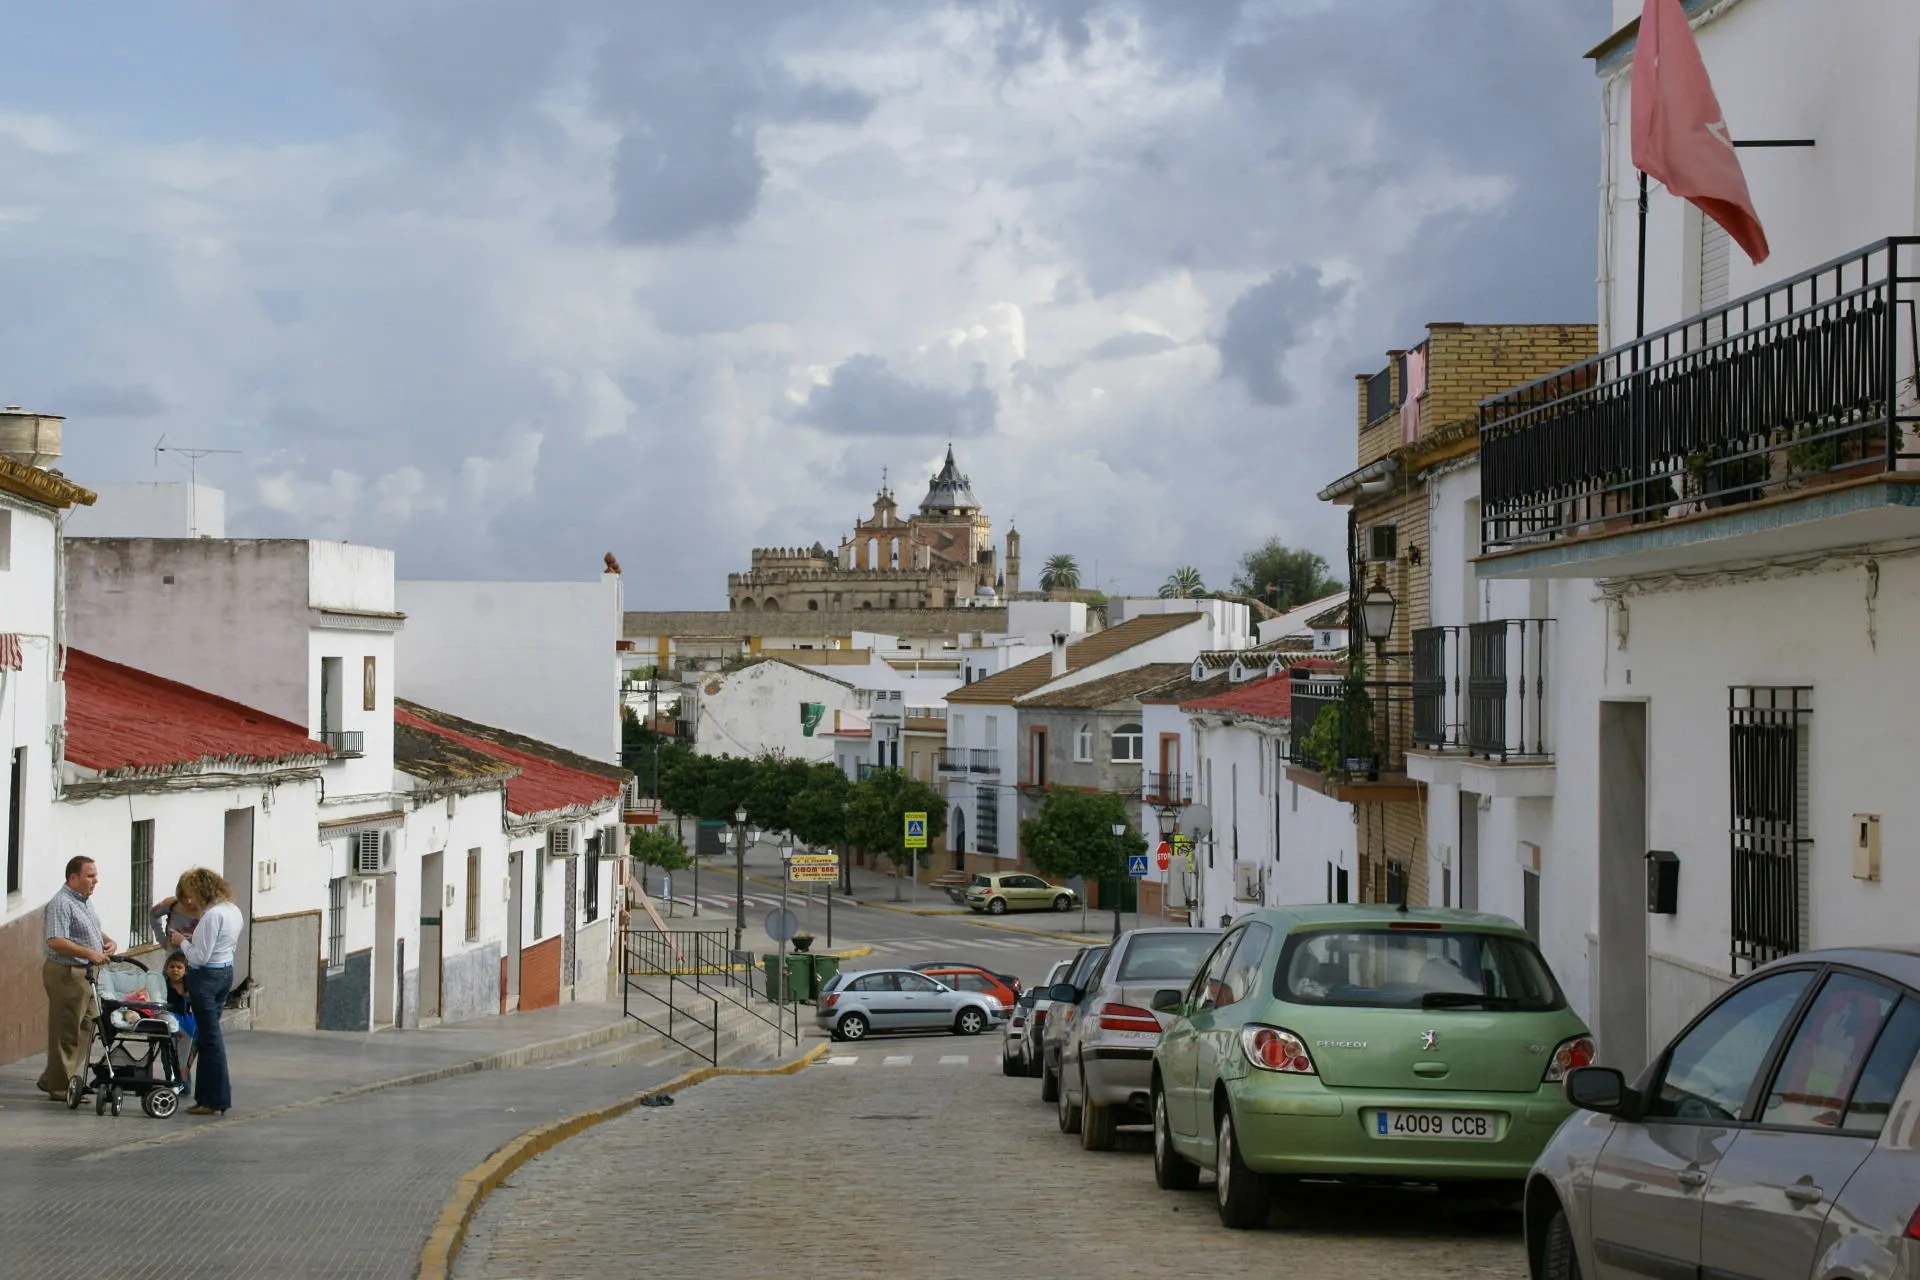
916,831
1183,848
814,868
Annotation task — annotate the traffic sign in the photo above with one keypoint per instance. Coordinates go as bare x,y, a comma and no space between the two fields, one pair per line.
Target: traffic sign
1183,848
814,868
1162,854
916,831
1136,865
781,924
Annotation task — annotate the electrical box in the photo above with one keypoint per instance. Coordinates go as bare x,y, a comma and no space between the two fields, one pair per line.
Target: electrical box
1866,846
1663,882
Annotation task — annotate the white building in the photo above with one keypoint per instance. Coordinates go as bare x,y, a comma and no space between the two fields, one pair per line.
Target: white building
540,658
157,509
32,501
776,706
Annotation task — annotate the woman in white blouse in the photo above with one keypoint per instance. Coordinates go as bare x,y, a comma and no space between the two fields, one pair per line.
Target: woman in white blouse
209,951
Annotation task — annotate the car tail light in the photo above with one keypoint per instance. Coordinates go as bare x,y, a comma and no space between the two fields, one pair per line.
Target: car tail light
1273,1049
1913,1226
1570,1055
1039,1016
1127,1017
829,1000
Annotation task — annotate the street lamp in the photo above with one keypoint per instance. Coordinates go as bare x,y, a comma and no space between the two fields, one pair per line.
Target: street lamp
786,872
742,837
1120,885
1376,614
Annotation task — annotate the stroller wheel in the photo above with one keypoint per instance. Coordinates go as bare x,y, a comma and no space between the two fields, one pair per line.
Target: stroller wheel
160,1103
100,1100
114,1105
76,1093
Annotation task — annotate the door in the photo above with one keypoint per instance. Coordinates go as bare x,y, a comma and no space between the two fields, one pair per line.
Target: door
516,907
1469,851
432,912
880,997
924,1003
1620,970
1233,994
236,864
385,976
1819,1119
957,838
1649,1181
1180,1055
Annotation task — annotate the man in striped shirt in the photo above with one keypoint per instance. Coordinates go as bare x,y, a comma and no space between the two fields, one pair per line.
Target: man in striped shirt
74,941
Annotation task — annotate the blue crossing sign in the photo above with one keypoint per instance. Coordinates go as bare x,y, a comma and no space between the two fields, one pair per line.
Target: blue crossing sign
1137,865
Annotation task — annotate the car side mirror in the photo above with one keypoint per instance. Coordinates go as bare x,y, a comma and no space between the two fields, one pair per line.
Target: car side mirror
1064,993
1600,1089
1167,1000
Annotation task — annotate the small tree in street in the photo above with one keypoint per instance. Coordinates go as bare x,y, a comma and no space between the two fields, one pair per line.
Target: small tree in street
876,815
657,847
1073,836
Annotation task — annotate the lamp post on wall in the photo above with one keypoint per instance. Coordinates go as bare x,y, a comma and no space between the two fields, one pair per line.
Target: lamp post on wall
1120,885
1376,614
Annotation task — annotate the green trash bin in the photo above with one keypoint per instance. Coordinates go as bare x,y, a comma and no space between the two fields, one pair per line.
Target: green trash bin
799,977
770,970
824,967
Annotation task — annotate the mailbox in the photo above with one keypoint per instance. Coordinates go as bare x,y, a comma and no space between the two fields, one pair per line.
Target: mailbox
1663,882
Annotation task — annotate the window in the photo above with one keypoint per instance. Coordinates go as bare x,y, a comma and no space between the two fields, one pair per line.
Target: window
6,539
1383,543
332,704
1415,969
16,816
1208,986
1128,744
1242,975
920,984
972,982
873,982
1767,749
1816,1074
1037,758
986,821
140,926
1530,902
1710,1069
336,924
1165,957
590,891
1083,744
473,895
1886,1071
539,893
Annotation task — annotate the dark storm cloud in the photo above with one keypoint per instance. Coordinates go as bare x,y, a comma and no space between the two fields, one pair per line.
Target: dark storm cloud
1265,324
866,398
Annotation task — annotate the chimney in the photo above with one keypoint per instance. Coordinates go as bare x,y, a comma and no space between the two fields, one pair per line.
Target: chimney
1059,654
32,438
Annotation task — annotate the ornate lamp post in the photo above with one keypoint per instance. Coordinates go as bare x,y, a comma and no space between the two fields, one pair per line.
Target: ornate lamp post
1119,885
1376,614
742,837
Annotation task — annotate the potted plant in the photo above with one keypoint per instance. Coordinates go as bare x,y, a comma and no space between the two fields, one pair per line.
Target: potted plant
802,941
1720,479
1828,453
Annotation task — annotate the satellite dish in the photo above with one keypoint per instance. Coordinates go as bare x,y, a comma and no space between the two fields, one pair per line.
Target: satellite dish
1196,820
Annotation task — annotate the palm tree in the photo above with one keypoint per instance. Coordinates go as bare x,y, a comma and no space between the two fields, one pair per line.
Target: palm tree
1062,573
1183,583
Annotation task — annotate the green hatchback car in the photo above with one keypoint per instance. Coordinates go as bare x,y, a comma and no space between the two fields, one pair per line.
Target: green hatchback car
1361,1043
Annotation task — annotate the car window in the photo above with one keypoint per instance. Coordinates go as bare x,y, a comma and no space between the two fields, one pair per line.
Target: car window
1207,987
1026,999
1166,957
917,982
1817,1072
1887,1068
874,982
973,982
1416,967
1242,974
983,882
1711,1068
1086,965
1058,972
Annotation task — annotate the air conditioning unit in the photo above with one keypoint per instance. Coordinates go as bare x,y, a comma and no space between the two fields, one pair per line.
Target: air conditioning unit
372,853
560,842
1249,881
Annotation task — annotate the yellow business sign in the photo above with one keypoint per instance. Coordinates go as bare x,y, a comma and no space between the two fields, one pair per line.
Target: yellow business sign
814,868
1183,848
916,831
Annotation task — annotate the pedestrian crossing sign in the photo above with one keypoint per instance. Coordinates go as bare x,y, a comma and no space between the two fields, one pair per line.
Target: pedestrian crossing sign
916,831
1136,865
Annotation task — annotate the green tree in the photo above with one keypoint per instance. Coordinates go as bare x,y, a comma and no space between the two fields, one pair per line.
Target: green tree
817,811
1073,836
876,815
1182,584
1283,577
657,847
1061,573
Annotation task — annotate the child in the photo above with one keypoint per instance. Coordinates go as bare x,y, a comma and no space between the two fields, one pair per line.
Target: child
182,1010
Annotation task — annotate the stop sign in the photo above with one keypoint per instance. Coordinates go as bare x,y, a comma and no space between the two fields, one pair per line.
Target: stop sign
1161,854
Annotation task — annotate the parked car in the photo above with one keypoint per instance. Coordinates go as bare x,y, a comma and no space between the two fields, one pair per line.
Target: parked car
1362,1042
1060,1016
972,978
852,1005
1106,1055
1756,1144
998,892
1013,1037
928,966
1033,1048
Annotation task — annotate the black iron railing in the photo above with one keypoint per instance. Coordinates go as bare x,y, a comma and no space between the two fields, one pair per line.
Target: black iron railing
1169,789
1482,689
1767,768
1804,381
983,760
699,971
953,759
1345,725
1436,688
345,743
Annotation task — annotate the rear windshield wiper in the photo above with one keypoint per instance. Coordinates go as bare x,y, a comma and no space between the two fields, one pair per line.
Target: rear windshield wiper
1465,999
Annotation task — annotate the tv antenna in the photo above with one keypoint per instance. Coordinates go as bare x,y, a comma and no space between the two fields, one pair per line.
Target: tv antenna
193,457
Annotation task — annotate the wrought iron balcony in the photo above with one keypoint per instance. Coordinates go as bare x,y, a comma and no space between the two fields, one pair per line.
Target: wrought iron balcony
983,760
1482,689
346,744
1169,789
953,759
1344,725
1798,386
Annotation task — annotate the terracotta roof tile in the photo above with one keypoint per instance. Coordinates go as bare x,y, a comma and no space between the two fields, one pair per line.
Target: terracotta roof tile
1270,699
1006,686
1187,688
123,721
1123,686
550,778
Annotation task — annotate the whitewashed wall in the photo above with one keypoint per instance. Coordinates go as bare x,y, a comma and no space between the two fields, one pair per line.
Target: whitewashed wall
757,709
26,697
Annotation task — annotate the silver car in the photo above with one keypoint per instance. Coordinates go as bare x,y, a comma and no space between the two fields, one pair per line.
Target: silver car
852,1005
1013,1036
1060,1017
1775,1138
1106,1054
1032,1042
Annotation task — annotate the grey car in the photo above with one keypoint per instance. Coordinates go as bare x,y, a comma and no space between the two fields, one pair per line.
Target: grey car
1013,1036
853,1005
1032,1041
1060,1017
1774,1138
1106,1054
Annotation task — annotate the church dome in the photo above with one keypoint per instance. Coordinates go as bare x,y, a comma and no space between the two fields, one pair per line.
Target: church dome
949,491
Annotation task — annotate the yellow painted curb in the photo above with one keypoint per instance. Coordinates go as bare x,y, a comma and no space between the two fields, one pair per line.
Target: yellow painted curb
479,1182
851,953
1082,938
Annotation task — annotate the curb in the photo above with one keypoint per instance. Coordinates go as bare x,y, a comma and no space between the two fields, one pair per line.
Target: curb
479,1182
851,953
905,910
1082,938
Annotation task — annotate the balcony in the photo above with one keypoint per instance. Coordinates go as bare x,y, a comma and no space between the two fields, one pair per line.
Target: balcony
1480,699
969,760
953,760
345,744
1167,790
1778,425
1349,736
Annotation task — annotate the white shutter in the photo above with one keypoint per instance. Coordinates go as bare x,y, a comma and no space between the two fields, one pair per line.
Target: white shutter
1714,263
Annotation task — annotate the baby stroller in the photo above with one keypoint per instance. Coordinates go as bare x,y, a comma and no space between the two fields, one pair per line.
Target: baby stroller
133,1044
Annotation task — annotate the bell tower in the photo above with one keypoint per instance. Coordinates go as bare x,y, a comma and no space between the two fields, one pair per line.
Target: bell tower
1013,562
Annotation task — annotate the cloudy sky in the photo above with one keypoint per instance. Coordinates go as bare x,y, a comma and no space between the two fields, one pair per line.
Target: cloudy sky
507,284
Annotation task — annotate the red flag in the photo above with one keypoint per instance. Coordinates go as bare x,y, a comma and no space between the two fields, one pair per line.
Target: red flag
1679,135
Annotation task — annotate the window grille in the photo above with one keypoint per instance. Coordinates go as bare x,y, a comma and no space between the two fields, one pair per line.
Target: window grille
140,927
473,895
1767,776
337,924
986,821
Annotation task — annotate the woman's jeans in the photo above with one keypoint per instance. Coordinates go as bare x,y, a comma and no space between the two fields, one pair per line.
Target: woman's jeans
207,994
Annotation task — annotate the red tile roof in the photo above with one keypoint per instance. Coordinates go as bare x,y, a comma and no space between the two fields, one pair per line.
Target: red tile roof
1268,699
122,721
550,779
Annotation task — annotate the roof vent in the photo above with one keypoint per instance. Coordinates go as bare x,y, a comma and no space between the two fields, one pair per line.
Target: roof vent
32,438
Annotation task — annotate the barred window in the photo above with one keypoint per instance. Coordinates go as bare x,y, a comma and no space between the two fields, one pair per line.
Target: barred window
473,895
539,893
140,927
1767,777
337,924
591,890
986,821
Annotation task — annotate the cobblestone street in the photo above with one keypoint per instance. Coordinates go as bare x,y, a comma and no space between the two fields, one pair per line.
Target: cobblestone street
917,1158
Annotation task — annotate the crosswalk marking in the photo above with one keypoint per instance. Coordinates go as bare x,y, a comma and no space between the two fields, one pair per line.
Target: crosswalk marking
897,1060
953,1059
843,1060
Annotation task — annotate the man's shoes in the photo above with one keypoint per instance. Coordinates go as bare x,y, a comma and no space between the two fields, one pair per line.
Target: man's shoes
197,1110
